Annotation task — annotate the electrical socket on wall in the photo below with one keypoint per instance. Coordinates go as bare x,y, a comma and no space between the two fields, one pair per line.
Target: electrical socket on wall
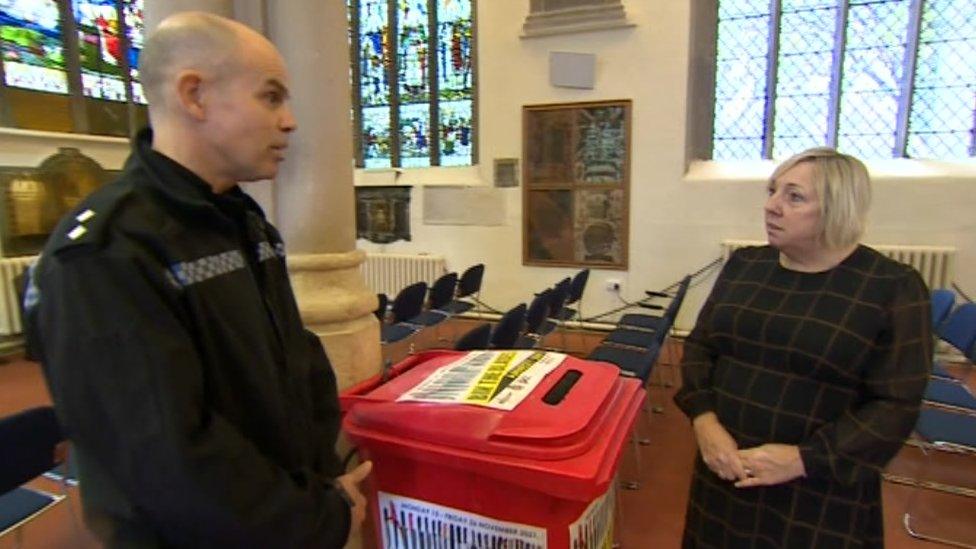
613,285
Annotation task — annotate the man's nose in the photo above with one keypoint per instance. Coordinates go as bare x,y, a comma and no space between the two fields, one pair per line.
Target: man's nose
288,122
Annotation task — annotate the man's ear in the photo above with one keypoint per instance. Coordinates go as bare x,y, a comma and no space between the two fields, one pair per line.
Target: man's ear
189,93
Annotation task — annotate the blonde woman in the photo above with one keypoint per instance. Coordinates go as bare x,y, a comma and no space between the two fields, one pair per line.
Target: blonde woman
804,372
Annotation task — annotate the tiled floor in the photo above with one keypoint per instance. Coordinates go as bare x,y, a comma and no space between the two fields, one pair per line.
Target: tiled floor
651,517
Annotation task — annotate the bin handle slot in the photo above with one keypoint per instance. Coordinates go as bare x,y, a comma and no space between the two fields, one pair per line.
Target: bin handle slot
558,392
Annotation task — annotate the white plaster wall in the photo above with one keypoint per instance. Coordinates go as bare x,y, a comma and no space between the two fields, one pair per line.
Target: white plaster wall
677,219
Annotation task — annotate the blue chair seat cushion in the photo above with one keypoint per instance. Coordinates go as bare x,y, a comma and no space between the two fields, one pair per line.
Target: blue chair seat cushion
396,332
457,307
430,318
546,328
634,338
942,426
525,342
20,503
940,371
634,363
565,313
949,393
646,322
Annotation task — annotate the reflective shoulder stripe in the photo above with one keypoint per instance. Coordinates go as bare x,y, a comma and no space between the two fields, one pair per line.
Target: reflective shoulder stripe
32,295
187,273
267,250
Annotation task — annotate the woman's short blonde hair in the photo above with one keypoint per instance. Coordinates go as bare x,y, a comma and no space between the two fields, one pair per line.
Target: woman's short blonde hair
844,189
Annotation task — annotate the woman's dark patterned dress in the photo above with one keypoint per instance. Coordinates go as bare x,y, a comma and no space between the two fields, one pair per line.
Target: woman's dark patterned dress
834,362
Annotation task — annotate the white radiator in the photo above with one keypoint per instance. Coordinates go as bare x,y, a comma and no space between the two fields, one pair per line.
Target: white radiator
390,273
10,268
936,264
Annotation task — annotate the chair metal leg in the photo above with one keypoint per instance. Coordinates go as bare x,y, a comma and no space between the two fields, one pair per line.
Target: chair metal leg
634,484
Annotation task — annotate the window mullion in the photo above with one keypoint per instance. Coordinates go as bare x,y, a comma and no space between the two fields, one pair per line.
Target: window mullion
433,37
355,58
6,117
837,72
972,135
474,82
124,66
908,79
775,14
72,63
392,72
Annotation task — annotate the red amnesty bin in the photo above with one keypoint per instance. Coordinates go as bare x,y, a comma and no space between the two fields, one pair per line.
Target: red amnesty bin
458,475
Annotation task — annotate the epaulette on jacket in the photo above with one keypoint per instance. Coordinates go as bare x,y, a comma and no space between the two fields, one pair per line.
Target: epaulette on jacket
87,225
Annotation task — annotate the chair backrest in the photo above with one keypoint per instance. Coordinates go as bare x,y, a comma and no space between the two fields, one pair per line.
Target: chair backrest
679,297
475,338
442,290
27,442
960,328
942,302
558,295
470,282
409,302
509,327
538,311
381,302
577,286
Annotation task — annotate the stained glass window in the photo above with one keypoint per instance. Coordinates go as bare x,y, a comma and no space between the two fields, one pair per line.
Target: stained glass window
135,30
100,48
33,51
875,78
108,40
455,81
413,82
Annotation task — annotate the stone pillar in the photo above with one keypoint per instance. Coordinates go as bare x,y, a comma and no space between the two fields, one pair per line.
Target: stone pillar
314,197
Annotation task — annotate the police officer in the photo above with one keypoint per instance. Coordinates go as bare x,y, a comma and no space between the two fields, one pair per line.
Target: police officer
201,412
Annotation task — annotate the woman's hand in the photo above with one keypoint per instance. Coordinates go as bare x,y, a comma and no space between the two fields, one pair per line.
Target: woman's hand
718,449
770,464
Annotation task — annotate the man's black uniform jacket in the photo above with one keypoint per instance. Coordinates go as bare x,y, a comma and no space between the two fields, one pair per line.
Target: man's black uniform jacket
202,413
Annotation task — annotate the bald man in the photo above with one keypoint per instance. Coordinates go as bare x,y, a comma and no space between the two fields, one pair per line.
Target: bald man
201,412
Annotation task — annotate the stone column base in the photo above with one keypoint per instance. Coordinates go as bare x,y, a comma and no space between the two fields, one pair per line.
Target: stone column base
336,305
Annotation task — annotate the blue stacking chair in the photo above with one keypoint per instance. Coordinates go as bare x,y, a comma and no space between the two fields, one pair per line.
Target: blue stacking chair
951,394
537,323
958,330
558,295
28,444
474,339
945,431
469,286
382,302
441,294
942,303
574,295
407,305
508,328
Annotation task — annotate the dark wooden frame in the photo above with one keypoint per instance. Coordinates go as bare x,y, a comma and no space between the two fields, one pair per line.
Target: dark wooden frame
560,176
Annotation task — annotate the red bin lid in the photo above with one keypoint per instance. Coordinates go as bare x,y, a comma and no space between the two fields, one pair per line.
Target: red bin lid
538,428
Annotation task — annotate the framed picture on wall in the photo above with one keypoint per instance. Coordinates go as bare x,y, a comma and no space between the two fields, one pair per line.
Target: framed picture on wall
576,192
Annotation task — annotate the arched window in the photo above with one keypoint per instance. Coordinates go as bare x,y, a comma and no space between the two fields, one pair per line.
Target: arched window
414,86
874,78
72,65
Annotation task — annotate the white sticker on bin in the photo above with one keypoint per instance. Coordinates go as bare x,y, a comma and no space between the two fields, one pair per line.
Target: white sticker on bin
594,528
409,523
495,379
